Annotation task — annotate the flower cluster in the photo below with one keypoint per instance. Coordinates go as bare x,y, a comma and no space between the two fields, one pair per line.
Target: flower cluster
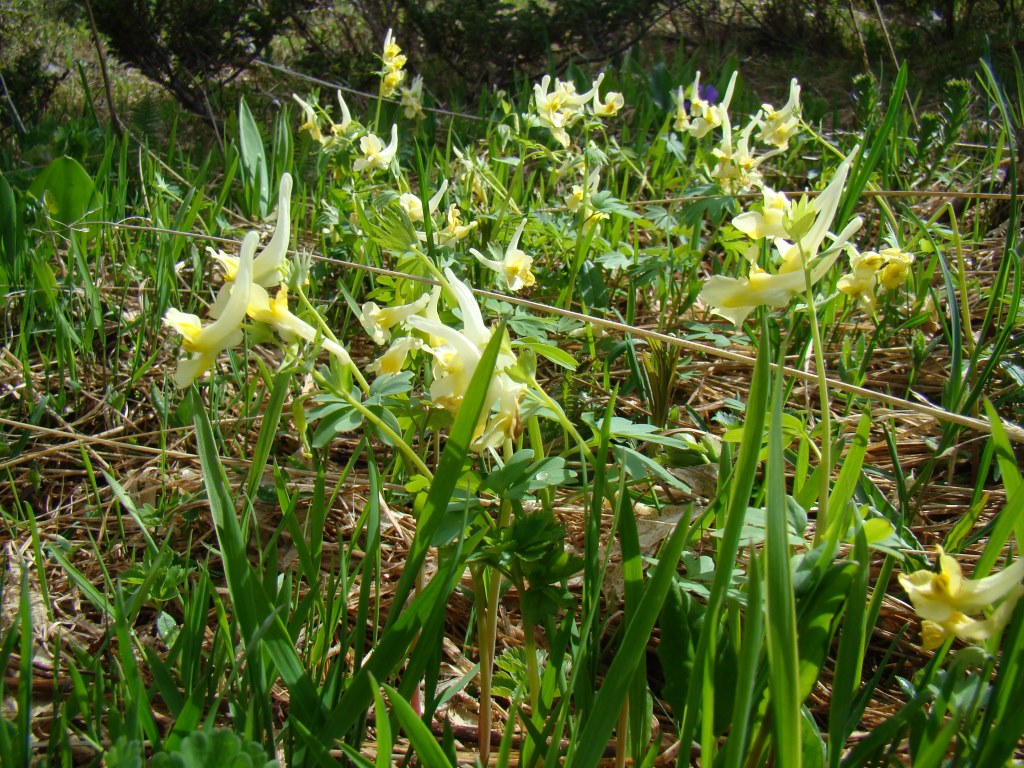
456,354
336,131
798,231
946,601
578,200
561,106
737,163
376,156
696,112
247,279
392,72
889,267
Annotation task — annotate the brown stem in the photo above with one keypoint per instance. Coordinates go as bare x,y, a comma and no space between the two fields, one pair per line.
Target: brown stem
114,119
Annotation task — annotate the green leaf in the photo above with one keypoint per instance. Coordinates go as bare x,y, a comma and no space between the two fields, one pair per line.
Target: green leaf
557,356
68,191
621,674
259,621
11,232
739,488
254,160
406,620
780,610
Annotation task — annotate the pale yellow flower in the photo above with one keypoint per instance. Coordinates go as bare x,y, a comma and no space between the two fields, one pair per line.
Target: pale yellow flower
275,313
737,169
613,102
454,230
312,120
735,298
516,267
271,264
890,267
896,269
347,124
413,205
392,79
946,600
412,99
860,283
779,126
560,107
770,221
207,342
456,356
393,60
392,361
375,155
697,116
378,321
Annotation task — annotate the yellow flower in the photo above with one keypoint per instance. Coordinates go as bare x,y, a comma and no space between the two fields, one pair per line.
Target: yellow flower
946,600
515,267
312,121
779,126
735,298
456,355
860,283
562,106
413,205
375,155
276,314
613,102
207,342
392,57
770,221
697,116
736,169
412,99
393,360
393,60
896,269
391,81
346,124
378,321
454,230
270,264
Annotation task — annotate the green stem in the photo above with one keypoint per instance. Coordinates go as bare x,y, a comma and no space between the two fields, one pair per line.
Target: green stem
486,642
328,333
826,417
562,419
396,439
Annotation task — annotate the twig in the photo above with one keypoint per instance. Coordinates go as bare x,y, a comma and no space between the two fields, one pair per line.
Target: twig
114,119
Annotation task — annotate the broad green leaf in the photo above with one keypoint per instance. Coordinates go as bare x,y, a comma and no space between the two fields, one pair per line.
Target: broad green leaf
254,159
68,191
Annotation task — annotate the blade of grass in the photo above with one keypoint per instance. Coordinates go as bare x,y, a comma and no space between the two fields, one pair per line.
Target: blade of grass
612,694
251,602
780,609
741,483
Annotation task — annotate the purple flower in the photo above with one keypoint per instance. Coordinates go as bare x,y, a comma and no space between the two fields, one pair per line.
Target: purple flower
706,93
